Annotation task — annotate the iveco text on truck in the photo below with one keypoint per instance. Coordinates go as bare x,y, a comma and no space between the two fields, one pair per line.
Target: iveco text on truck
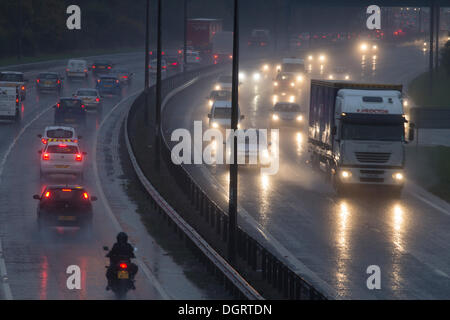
356,133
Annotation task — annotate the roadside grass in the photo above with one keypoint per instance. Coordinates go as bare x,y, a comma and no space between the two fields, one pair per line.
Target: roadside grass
430,168
419,90
66,55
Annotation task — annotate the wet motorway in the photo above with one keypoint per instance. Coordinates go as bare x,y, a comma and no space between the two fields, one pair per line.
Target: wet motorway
36,262
330,240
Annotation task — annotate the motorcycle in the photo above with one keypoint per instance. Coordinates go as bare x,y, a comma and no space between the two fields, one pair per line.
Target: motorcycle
121,281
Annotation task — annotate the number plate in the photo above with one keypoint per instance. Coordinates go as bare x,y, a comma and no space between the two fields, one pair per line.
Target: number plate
60,166
67,218
122,275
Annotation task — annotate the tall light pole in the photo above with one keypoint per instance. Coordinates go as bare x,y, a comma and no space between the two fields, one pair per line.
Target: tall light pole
431,66
438,27
158,91
147,58
185,33
19,44
232,203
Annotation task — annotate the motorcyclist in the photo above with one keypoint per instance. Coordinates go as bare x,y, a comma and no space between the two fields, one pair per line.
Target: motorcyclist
121,250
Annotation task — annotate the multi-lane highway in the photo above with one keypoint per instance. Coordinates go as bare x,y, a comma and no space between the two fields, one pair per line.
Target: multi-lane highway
35,263
330,240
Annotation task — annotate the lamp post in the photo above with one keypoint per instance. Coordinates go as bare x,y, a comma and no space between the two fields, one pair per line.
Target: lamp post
232,203
158,91
147,58
185,34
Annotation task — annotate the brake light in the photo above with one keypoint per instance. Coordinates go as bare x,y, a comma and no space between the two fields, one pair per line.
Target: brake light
45,156
164,67
174,63
23,87
44,141
37,80
17,100
197,58
75,141
85,195
66,190
97,99
82,106
123,266
125,77
78,157
109,67
47,194
216,56
58,105
59,81
179,51
93,67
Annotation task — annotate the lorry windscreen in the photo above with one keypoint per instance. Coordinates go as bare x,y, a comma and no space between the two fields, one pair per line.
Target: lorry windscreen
354,131
293,67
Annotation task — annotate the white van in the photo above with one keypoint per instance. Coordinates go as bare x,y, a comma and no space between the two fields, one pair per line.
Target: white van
220,116
77,69
9,101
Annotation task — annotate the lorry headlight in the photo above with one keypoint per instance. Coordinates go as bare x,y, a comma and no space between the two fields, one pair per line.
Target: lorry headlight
217,87
346,174
275,117
215,125
398,176
210,102
299,118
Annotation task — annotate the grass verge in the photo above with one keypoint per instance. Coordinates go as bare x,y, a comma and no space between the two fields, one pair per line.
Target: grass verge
430,168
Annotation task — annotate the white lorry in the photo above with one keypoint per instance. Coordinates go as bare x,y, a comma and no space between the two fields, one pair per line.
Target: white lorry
9,101
357,134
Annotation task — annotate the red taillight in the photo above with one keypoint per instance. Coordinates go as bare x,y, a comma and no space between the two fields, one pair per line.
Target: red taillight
78,157
197,58
23,87
45,156
58,105
93,67
179,51
125,77
117,81
75,141
37,80
174,63
62,145
44,141
97,99
82,106
47,194
151,52
67,70
17,100
66,190
109,67
216,56
85,196
59,81
123,266
231,57
164,67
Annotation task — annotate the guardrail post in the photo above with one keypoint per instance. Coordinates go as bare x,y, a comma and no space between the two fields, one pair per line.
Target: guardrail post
264,264
285,282
202,202
225,228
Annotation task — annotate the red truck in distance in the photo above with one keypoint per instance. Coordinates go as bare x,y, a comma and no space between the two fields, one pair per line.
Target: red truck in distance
200,32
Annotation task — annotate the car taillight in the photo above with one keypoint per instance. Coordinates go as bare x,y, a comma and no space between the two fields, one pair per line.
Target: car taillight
23,87
85,70
197,58
45,156
78,157
47,194
59,81
123,266
44,141
216,56
174,63
17,100
93,67
164,67
117,81
67,69
97,99
85,196
82,106
125,77
58,105
37,80
109,67
231,57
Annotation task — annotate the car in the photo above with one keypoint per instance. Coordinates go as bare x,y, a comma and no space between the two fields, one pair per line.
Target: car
62,158
77,69
70,110
60,134
253,149
90,97
285,87
339,73
369,46
108,85
101,67
287,114
49,81
153,68
193,57
220,115
64,206
218,95
17,78
124,75
173,63
223,82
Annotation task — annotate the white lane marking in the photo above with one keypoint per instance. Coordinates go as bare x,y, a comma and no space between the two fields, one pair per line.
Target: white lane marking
418,196
148,273
4,276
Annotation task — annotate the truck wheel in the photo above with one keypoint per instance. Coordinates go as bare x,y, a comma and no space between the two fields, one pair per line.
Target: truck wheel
17,116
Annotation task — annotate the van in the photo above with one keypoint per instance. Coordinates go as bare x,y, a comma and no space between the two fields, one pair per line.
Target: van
77,69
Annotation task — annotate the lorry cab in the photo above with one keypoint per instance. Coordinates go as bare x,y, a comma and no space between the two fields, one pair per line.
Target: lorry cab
357,132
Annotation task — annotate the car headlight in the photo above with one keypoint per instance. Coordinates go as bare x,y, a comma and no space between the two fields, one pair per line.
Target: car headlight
241,75
346,174
330,77
215,125
278,67
256,76
347,77
210,102
374,47
398,176
292,84
299,118
322,58
238,125
363,47
265,67
275,117
299,78
217,87
310,58
275,84
291,99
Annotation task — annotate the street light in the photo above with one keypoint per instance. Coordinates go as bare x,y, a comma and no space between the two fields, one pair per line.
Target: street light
158,91
147,58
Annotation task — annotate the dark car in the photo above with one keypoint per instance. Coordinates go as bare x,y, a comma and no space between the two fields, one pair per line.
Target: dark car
173,63
64,206
70,111
124,75
218,95
101,66
108,85
49,81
